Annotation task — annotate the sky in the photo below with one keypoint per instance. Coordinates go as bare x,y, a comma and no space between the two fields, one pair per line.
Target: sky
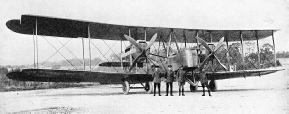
17,49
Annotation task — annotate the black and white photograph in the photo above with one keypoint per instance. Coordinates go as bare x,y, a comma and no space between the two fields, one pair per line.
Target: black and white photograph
144,56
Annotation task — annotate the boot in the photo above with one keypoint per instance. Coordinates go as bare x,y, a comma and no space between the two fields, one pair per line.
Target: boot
167,89
209,93
203,92
167,92
179,92
172,91
183,92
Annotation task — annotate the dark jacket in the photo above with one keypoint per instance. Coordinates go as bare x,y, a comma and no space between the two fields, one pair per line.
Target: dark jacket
157,76
169,76
203,78
181,76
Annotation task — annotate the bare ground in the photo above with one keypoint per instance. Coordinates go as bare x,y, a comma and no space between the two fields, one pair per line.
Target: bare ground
266,94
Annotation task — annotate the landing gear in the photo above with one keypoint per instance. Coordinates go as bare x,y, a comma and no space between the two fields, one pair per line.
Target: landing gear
148,87
193,88
213,85
125,87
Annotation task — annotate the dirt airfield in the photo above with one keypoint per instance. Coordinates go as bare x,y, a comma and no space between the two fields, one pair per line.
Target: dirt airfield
266,94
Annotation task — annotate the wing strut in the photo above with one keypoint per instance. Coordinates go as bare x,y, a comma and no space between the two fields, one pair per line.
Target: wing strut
274,48
89,40
242,46
185,37
34,49
36,43
121,64
83,59
259,62
227,43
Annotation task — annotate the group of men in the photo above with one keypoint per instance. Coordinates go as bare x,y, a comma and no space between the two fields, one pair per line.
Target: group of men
169,75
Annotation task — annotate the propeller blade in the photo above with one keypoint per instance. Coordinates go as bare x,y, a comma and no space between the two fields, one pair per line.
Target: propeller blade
204,43
134,62
131,40
172,55
152,41
220,44
152,61
204,62
131,51
157,55
220,63
169,46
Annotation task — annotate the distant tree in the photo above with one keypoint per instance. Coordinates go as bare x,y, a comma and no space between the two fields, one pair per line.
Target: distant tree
235,56
267,55
283,54
114,57
56,67
3,70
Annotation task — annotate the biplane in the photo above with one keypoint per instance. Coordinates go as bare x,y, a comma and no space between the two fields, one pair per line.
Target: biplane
138,54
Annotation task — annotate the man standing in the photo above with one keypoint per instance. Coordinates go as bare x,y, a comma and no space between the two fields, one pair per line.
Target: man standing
169,80
157,80
204,82
181,79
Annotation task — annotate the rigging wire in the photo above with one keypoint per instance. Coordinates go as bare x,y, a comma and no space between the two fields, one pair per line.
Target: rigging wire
60,53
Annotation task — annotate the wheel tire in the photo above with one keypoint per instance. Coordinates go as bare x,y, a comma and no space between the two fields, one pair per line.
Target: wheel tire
125,87
193,88
213,85
149,87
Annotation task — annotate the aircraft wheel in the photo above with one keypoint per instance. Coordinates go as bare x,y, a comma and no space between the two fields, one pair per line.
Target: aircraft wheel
149,87
193,88
125,87
213,85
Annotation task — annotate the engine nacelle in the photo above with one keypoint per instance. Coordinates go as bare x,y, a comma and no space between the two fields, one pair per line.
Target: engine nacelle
192,58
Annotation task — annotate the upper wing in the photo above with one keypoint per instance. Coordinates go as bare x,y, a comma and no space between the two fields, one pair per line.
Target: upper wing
118,64
50,26
238,74
45,75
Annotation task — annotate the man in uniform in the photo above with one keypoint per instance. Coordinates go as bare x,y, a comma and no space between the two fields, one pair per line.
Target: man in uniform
169,80
204,82
181,75
157,80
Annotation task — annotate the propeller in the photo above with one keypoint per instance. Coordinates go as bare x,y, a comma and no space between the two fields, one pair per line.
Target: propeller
131,40
152,41
143,50
211,55
131,51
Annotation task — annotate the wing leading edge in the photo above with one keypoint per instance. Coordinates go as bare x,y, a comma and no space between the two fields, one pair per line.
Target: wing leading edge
238,74
58,27
45,75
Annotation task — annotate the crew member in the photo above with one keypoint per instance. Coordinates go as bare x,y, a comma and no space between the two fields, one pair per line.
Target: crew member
181,75
204,82
169,80
157,80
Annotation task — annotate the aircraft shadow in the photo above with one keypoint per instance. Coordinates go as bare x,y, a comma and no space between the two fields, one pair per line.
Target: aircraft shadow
97,94
162,93
236,90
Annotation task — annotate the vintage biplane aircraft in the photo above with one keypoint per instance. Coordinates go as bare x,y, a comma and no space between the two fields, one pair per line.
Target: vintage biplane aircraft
193,58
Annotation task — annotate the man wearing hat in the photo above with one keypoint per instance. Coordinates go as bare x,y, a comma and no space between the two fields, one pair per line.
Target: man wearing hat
169,80
181,75
157,80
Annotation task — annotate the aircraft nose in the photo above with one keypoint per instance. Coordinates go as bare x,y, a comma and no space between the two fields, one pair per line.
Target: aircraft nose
11,75
14,75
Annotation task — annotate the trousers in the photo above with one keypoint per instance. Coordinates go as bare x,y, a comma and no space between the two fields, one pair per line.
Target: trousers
159,87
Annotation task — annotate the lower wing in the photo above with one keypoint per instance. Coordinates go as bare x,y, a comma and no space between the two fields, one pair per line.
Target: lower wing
45,75
238,74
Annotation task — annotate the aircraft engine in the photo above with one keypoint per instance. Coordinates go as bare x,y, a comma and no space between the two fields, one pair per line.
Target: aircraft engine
191,57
